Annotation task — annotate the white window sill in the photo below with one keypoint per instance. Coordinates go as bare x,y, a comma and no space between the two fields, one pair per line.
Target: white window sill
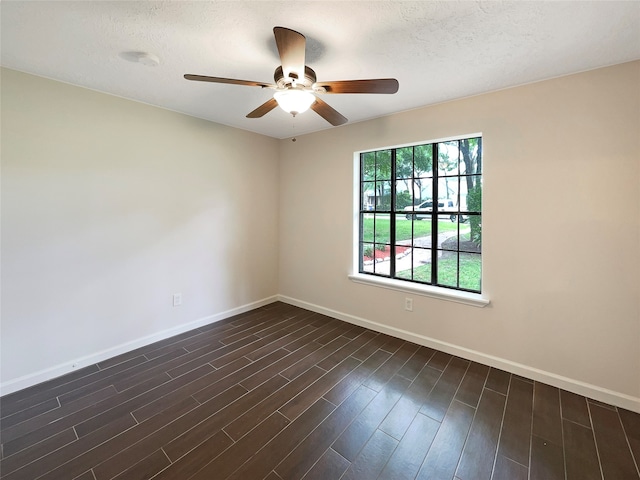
473,299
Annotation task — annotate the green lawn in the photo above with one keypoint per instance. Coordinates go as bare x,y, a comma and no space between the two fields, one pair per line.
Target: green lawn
421,228
470,271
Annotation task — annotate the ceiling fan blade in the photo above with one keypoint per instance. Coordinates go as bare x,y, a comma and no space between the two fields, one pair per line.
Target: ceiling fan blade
232,81
263,109
291,47
378,85
328,113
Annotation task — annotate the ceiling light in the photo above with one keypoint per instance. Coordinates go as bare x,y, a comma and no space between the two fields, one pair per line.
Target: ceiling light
294,101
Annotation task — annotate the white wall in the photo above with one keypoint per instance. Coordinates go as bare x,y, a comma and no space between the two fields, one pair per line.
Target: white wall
111,206
561,231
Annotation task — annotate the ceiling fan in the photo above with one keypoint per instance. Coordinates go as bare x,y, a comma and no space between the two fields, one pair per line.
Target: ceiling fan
295,83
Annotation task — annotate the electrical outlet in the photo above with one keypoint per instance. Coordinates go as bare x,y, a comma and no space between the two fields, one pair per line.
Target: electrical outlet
408,304
177,299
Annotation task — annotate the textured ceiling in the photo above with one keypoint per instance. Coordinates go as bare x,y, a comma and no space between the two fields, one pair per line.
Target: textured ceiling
438,51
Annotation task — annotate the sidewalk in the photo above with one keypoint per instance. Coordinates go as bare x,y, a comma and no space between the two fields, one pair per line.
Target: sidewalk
419,255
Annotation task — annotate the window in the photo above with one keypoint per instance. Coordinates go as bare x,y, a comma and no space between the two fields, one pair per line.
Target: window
404,234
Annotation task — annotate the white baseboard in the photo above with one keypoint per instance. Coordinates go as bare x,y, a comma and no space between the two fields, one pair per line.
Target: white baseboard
76,364
588,390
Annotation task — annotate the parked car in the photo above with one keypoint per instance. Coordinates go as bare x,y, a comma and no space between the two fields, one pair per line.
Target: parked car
444,205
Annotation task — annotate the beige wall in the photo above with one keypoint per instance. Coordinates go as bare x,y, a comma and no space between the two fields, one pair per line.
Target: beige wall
111,206
561,230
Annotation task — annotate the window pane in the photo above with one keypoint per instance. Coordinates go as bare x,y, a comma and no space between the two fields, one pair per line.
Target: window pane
404,162
415,266
471,156
383,195
448,269
383,165
475,234
422,190
403,194
404,230
367,254
423,161
383,228
368,165
366,227
448,188
448,232
448,155
471,193
368,200
382,254
470,271
422,231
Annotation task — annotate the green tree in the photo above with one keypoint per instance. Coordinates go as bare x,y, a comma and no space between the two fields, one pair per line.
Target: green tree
471,150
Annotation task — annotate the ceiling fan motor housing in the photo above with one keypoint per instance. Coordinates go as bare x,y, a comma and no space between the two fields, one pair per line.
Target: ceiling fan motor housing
286,82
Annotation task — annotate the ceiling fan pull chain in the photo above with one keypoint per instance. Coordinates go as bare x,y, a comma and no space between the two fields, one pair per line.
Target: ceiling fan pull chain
293,127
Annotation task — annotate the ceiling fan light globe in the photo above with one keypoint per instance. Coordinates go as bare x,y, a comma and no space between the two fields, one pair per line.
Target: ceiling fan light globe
294,101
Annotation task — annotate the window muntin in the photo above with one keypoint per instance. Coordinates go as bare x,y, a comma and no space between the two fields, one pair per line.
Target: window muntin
403,233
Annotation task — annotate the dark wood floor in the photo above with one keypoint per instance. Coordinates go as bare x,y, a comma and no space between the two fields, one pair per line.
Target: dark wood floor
284,393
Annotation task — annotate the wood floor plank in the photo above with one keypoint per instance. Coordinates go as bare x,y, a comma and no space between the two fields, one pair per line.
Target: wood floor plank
104,447
302,458
443,456
498,380
439,360
480,450
404,411
206,423
51,444
547,460
330,465
574,408
38,432
158,439
281,342
306,398
311,360
408,456
319,332
230,374
146,468
416,363
611,443
370,348
354,379
238,453
345,351
378,379
264,374
472,384
266,407
270,340
631,423
507,469
372,458
275,450
358,433
439,399
515,437
195,460
581,458
547,423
